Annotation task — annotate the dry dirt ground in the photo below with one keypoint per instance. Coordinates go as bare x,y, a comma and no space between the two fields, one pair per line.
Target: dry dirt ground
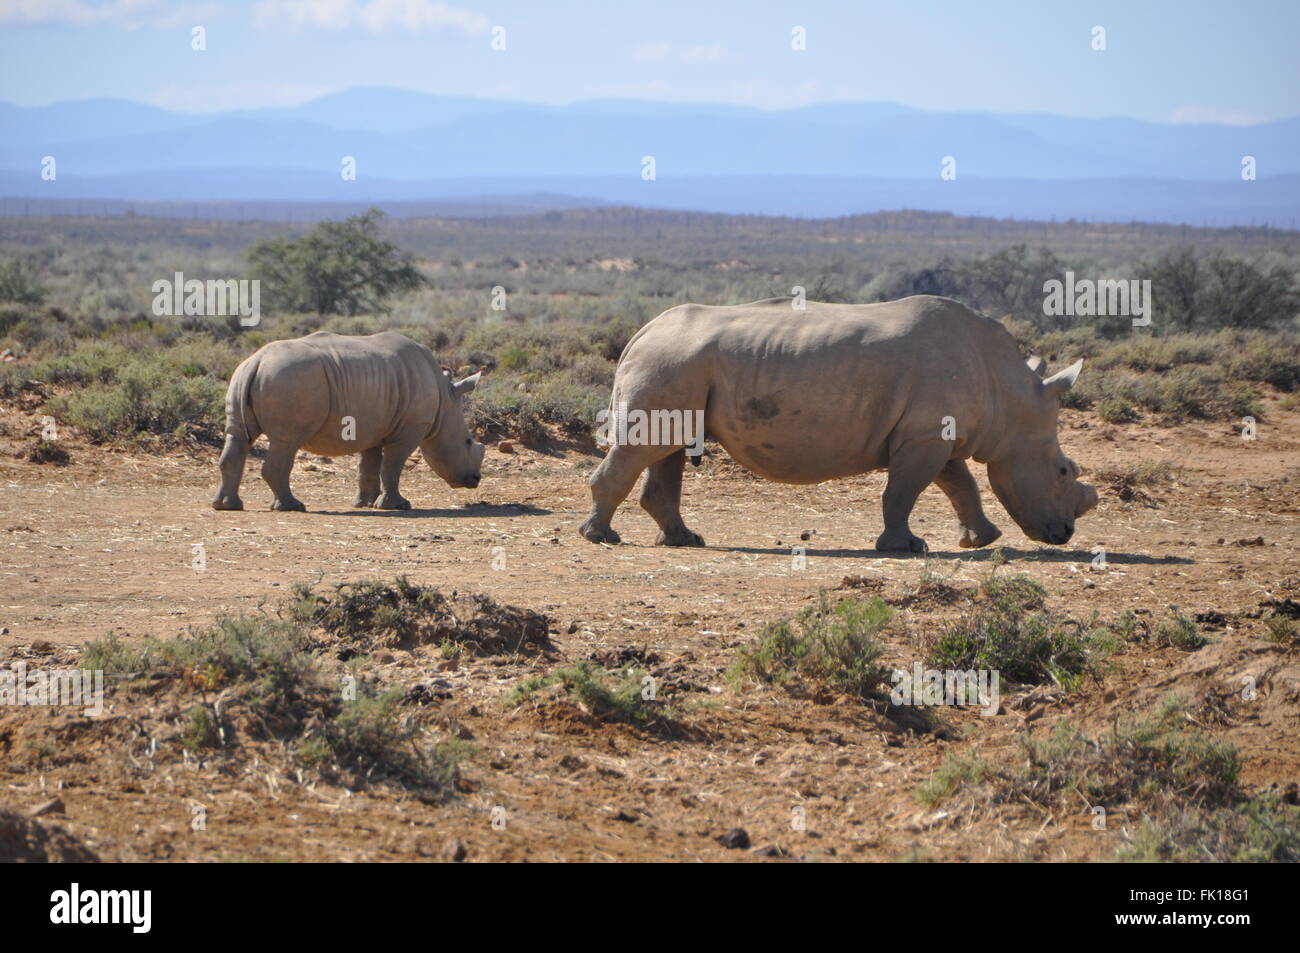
106,542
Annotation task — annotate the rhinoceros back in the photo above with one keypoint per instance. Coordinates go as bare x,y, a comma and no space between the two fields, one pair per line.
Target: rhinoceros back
335,394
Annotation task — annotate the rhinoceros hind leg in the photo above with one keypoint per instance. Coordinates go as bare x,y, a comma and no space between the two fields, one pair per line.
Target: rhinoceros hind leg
368,477
275,471
233,456
610,484
661,497
390,474
959,486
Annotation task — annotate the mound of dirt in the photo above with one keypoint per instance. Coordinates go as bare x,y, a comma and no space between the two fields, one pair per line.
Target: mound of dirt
1248,689
371,615
25,841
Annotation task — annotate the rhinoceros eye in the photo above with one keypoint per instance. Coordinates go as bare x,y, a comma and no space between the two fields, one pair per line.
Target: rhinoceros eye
1063,471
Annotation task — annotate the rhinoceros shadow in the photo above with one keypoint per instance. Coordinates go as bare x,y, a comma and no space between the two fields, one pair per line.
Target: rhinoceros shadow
470,509
1042,555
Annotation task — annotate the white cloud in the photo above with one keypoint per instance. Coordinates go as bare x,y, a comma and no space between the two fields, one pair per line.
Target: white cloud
130,14
654,52
705,54
375,16
649,52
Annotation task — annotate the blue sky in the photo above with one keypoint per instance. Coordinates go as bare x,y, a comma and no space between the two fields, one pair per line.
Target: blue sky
1164,61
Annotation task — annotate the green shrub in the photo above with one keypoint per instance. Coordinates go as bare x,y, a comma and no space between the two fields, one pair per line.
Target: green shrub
372,737
1282,630
838,647
1180,632
1013,634
1116,410
1145,761
200,729
607,696
145,399
1262,830
260,668
17,284
955,773
1012,593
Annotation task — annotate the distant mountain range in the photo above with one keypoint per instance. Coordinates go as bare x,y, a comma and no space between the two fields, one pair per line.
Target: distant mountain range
822,160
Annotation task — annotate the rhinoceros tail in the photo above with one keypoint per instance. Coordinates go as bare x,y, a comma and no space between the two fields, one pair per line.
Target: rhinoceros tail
240,419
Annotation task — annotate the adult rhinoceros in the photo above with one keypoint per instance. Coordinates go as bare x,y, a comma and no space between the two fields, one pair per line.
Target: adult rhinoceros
916,386
380,396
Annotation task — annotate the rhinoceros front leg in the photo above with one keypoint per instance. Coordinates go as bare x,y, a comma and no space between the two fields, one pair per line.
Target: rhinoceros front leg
233,457
912,467
275,471
368,477
959,486
661,497
390,474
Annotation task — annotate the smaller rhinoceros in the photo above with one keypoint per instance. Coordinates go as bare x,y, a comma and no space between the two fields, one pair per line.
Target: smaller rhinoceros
380,396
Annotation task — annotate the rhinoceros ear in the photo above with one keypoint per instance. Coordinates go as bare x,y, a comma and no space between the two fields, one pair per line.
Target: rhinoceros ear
463,387
1061,381
1037,364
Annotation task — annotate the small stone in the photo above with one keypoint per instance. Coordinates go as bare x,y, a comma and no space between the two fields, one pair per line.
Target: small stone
53,806
455,851
807,534
735,839
42,646
506,446
573,627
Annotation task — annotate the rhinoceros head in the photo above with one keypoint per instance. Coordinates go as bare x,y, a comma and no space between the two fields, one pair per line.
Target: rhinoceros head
449,449
1036,483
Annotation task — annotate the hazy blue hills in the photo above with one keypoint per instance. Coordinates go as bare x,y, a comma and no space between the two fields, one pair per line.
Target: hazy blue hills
821,160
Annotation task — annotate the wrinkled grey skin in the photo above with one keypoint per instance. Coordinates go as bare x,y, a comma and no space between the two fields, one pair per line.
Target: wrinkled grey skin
298,392
842,389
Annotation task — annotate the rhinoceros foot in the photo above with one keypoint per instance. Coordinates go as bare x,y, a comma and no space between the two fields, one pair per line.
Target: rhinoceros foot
683,537
389,502
598,534
227,503
289,506
975,538
899,543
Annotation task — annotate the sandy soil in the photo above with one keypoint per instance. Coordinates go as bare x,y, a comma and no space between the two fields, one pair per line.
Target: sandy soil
107,541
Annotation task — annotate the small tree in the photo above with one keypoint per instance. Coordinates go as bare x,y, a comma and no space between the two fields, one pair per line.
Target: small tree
1176,282
1241,295
339,268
